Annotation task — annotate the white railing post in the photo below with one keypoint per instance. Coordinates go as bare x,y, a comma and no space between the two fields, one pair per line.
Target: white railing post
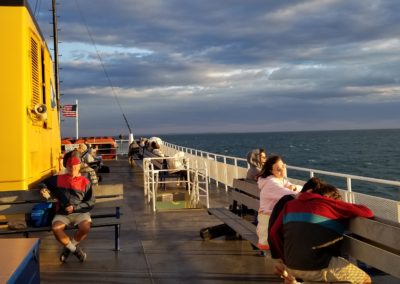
226,174
208,158
236,168
216,170
349,189
188,174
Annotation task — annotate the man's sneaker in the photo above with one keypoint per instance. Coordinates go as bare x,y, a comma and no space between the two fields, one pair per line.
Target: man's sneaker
80,254
64,254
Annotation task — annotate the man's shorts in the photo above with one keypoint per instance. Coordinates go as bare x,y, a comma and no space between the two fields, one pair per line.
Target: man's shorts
262,231
339,269
72,219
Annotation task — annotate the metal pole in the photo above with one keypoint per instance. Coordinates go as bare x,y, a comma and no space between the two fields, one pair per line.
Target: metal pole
76,120
55,43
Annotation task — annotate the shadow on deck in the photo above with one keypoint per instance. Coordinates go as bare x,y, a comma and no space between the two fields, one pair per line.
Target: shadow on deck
162,247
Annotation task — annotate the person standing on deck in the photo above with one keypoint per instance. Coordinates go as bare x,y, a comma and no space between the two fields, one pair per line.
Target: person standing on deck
256,160
273,184
75,200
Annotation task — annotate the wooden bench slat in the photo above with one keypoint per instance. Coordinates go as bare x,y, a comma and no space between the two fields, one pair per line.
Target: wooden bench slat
15,205
22,208
236,223
375,242
19,196
246,193
108,189
247,200
102,222
383,232
247,186
372,255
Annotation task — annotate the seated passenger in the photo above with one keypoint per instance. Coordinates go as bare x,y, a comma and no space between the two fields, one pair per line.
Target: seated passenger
306,238
273,183
142,145
256,160
80,151
156,149
75,200
313,184
77,152
134,149
133,153
87,157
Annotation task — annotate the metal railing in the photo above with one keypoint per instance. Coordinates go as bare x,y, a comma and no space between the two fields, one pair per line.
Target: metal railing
102,150
196,181
122,147
225,163
223,169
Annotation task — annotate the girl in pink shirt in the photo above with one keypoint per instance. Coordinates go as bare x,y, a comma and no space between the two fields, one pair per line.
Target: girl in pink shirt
273,184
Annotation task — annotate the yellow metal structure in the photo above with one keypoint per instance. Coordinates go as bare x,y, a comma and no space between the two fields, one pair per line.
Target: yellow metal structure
30,145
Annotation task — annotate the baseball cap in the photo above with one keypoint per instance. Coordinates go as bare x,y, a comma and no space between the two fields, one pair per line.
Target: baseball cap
73,161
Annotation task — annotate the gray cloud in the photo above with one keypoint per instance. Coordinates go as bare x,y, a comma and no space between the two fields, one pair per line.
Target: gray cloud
199,66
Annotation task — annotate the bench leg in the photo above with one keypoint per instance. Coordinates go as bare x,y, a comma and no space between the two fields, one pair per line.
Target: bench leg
117,233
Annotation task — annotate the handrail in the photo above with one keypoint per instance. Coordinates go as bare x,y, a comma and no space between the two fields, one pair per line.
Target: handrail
356,177
197,185
224,160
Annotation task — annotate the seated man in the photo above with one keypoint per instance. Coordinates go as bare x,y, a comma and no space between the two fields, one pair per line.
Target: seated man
75,199
306,237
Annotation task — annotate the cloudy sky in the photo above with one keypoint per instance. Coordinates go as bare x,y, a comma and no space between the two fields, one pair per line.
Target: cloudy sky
180,66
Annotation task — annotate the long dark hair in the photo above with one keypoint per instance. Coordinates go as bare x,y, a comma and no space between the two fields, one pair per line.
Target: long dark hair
267,168
313,183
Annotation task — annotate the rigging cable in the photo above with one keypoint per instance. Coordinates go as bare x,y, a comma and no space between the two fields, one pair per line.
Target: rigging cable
102,65
37,9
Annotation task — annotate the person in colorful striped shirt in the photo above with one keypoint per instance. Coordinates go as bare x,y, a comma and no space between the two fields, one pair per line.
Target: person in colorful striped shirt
306,238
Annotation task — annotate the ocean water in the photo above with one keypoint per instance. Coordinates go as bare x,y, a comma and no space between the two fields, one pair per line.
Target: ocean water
370,153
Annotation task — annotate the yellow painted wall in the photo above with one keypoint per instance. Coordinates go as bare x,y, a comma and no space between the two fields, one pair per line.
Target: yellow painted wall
29,147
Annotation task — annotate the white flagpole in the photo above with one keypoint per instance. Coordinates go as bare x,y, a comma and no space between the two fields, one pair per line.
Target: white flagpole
76,120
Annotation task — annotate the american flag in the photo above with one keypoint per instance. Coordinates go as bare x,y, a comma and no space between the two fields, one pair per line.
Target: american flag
69,110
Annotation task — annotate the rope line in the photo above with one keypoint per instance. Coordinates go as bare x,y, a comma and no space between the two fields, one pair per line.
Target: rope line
102,65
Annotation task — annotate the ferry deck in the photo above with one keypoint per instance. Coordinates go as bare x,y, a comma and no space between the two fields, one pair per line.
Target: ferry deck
162,247
159,247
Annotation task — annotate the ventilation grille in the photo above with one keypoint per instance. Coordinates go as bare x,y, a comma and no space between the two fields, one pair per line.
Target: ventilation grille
35,56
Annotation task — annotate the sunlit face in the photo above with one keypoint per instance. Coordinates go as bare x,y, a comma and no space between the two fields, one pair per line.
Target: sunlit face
263,158
279,169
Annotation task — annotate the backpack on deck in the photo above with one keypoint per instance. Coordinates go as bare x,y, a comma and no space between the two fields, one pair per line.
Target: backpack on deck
42,214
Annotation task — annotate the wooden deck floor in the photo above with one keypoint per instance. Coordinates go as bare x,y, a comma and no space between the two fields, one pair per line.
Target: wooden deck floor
162,247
